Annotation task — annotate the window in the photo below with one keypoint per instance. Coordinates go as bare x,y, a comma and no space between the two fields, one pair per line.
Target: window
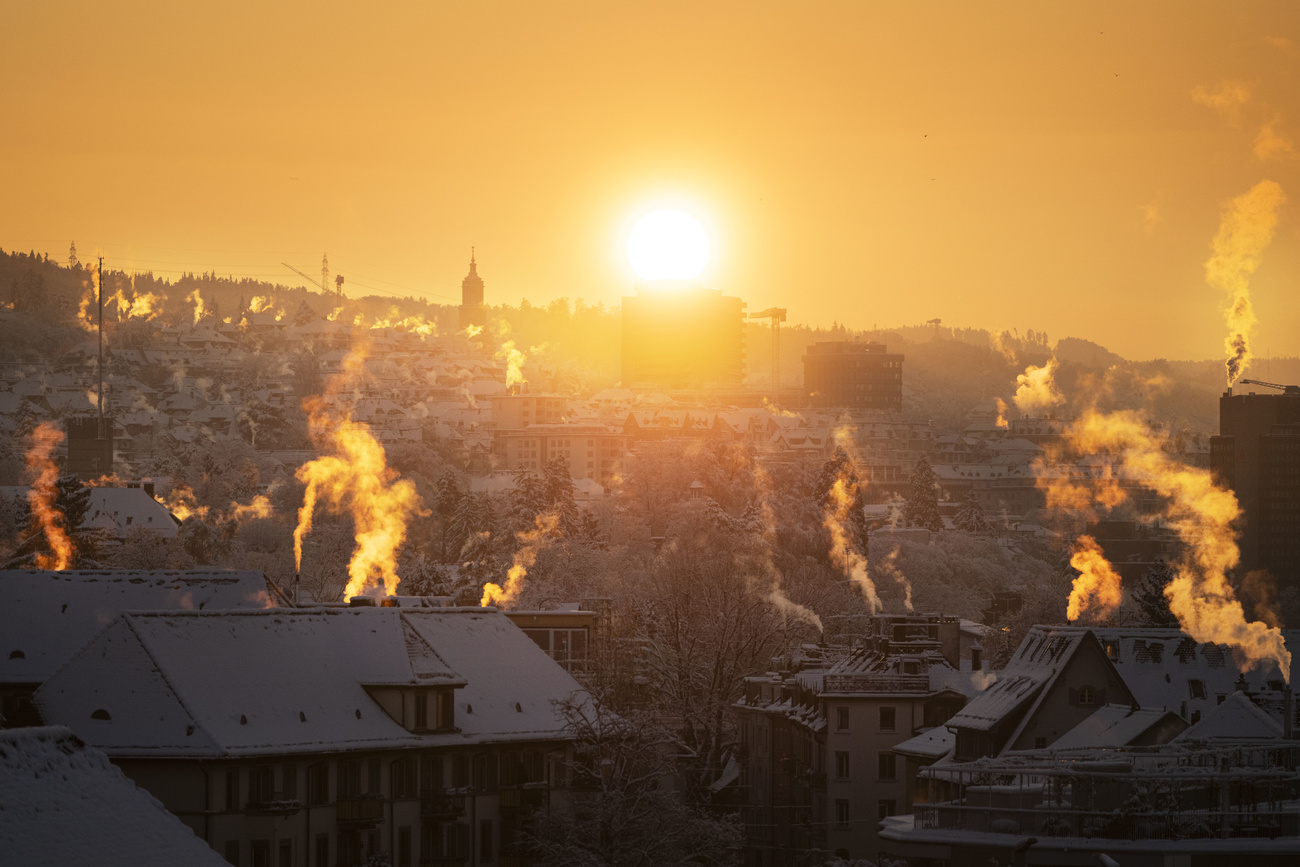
431,776
322,850
261,789
1196,688
421,710
286,853
446,710
841,719
404,846
1040,743
485,840
232,852
485,772
289,781
372,777
841,765
888,717
841,811
885,809
232,790
888,766
1087,696
349,782
402,778
318,784
261,852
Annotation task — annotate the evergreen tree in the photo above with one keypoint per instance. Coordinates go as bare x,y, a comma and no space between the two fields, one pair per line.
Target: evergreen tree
446,505
559,494
841,466
1153,606
71,500
531,498
970,517
922,509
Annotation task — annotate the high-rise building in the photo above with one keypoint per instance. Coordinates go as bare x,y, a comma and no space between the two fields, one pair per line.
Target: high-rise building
472,311
1257,454
682,338
851,374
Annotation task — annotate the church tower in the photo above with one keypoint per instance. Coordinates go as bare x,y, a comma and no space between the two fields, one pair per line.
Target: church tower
472,311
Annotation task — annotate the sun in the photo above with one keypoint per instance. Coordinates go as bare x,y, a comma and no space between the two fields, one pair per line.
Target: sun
668,244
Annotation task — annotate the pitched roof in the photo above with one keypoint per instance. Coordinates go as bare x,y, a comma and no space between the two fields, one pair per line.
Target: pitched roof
1114,725
62,802
1039,659
1236,718
280,681
48,616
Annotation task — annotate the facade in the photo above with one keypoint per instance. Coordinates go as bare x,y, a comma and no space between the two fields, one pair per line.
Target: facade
566,635
818,767
514,411
328,736
89,455
473,314
1257,454
850,374
593,451
682,339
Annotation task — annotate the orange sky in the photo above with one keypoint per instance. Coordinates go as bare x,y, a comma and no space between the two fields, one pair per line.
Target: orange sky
1029,165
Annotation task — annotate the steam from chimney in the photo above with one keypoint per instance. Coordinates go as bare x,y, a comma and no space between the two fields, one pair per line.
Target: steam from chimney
1097,590
43,494
843,553
514,362
776,597
353,477
196,299
1037,392
1245,231
531,543
1002,414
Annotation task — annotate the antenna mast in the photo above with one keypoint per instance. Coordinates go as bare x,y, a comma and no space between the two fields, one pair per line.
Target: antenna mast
100,431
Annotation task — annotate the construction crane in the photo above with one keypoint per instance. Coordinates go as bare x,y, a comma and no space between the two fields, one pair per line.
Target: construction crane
777,315
1286,389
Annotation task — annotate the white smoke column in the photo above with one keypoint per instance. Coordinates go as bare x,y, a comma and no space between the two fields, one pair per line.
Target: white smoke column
843,554
784,605
890,569
1245,231
1037,391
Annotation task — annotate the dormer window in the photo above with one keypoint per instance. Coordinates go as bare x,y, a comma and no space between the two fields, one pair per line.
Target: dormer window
1087,696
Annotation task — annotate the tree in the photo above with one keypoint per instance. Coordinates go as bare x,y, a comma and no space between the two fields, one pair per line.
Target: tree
446,504
1153,606
922,509
841,467
559,493
71,500
970,517
622,815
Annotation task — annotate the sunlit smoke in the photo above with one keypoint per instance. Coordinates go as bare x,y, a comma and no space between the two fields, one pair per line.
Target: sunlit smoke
182,503
889,566
472,331
1097,590
1202,513
353,477
261,303
196,298
260,507
1002,414
843,552
43,494
514,362
1245,231
776,596
1037,393
1004,345
531,543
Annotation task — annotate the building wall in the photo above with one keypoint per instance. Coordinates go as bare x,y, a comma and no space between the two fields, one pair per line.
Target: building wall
842,373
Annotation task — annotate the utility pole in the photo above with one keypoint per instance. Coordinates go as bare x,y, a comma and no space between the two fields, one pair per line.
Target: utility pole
324,272
100,431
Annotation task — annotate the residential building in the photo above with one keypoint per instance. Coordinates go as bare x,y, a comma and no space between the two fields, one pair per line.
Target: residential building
516,411
327,736
852,374
593,451
682,338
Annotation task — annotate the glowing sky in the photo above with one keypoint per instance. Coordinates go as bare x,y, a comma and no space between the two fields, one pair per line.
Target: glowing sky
1056,166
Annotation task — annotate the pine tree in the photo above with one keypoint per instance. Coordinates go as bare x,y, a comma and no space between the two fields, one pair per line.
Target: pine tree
922,509
531,498
559,494
970,517
841,466
1153,606
446,505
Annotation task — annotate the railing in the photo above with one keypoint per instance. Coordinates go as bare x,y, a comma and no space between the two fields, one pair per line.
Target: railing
521,798
277,803
359,810
1114,825
442,806
910,683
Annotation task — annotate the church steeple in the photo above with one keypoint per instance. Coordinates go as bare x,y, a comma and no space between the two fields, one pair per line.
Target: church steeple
472,311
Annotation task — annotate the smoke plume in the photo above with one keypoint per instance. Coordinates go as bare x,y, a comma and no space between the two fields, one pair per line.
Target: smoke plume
43,494
843,552
1097,590
1245,231
1037,392
531,543
353,477
776,596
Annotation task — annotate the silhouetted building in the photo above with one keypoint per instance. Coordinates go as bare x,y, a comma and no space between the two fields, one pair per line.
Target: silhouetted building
1257,454
89,456
1133,547
687,338
842,373
472,311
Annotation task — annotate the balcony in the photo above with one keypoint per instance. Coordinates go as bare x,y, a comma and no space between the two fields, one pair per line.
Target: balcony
442,806
276,804
530,796
359,812
886,682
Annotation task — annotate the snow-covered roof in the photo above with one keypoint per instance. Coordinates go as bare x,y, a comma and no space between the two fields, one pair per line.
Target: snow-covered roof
62,802
1038,659
1236,718
1114,725
48,616
932,743
281,681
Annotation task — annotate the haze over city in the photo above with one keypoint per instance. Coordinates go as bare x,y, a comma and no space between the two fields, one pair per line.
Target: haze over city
1059,167
619,435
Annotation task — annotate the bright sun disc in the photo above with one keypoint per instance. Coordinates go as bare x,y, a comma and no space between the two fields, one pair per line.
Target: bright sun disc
668,245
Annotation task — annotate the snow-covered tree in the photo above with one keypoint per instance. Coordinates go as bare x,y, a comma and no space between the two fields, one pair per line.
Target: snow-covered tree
922,509
1153,606
970,517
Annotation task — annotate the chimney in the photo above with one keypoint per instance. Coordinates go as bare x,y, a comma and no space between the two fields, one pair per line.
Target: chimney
1288,713
976,657
361,602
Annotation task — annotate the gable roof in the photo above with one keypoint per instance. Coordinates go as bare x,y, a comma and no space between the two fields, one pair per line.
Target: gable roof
1037,661
1115,725
62,802
1236,718
280,681
48,616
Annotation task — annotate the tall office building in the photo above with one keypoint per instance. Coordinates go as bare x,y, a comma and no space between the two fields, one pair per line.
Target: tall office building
1257,454
472,311
682,338
861,375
